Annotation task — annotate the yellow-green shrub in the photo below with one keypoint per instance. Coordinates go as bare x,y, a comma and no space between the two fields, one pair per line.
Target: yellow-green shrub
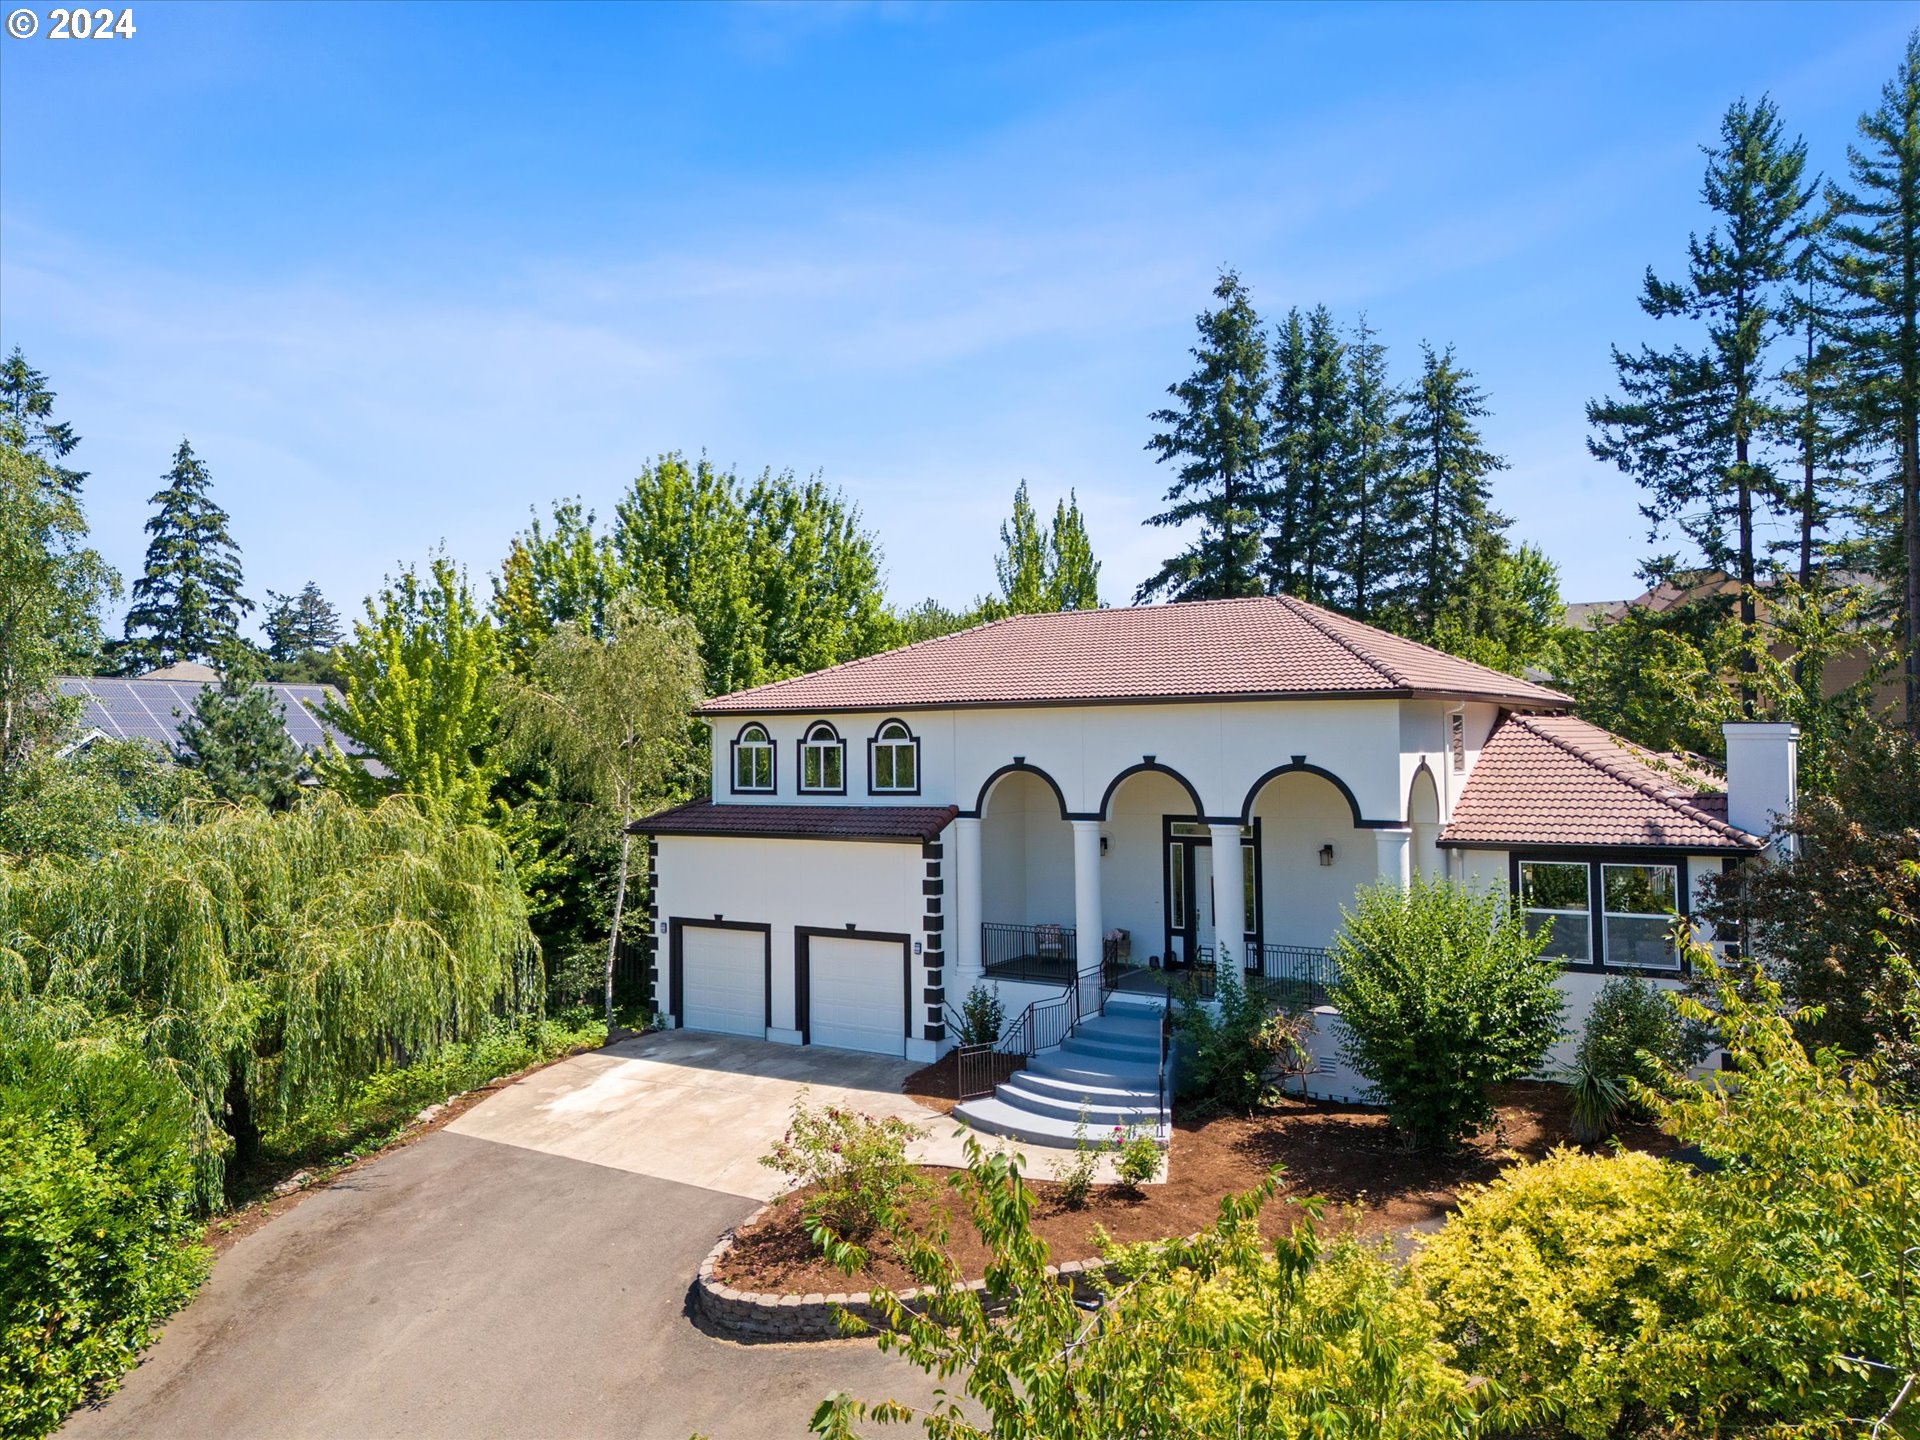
1561,1280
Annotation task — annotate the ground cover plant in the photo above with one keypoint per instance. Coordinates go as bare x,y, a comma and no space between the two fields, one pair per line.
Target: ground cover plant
1443,995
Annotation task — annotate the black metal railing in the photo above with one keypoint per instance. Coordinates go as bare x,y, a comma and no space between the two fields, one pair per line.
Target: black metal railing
1295,977
1041,1026
1038,954
1166,1050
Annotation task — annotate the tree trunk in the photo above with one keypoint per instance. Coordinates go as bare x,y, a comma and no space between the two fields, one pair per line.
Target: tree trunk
1744,491
238,1121
1910,524
619,903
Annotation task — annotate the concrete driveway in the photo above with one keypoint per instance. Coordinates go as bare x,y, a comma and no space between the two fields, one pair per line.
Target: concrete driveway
521,1273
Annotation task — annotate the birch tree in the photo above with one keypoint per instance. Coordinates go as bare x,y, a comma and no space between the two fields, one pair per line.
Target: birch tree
609,714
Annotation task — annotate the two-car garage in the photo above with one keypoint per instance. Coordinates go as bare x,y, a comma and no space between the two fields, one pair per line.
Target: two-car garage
850,986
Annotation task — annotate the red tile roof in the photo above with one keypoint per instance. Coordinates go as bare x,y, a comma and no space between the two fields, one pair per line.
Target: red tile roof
1557,780
1271,646
898,823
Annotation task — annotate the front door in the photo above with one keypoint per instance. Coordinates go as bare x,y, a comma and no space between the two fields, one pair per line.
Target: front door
1189,890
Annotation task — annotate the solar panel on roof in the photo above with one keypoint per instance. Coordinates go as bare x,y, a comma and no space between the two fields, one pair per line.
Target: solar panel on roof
137,709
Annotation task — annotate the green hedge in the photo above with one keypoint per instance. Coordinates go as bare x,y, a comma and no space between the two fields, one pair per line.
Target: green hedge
97,1228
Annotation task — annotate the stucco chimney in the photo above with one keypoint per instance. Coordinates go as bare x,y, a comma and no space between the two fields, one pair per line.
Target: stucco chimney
1763,763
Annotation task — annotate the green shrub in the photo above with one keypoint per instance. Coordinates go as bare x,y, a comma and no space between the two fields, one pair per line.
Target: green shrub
96,1213
1137,1157
1633,1034
1074,1177
982,1016
1443,994
1232,1053
1767,1295
856,1164
1560,1281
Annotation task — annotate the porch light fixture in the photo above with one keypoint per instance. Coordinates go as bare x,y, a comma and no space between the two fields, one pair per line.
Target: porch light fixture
1103,844
1326,855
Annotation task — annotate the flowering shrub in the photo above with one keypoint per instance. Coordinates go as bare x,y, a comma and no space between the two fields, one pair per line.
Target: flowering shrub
856,1164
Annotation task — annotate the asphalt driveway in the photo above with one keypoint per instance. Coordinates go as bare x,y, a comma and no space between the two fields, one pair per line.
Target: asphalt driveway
522,1272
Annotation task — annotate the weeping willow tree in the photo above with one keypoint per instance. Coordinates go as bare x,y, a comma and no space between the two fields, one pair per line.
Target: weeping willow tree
272,963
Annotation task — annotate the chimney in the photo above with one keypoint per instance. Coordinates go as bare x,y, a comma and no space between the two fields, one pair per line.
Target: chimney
1763,786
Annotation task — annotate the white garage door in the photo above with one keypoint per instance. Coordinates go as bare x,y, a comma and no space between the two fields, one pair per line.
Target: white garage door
725,976
857,997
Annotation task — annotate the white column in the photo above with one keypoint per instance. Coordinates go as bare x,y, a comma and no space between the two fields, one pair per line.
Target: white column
1229,900
968,898
1089,929
1396,855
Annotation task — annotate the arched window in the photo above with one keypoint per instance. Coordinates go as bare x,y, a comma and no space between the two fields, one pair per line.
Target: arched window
823,761
893,761
753,761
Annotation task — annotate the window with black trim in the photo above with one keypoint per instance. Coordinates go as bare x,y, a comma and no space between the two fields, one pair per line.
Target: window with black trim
1641,904
894,761
1555,893
753,761
823,761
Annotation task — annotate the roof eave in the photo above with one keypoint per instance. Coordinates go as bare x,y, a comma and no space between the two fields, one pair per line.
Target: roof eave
1716,847
1549,700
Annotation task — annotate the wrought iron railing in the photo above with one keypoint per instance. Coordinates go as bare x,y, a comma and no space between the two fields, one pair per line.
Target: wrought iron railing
1166,1051
1041,1026
1038,954
1295,977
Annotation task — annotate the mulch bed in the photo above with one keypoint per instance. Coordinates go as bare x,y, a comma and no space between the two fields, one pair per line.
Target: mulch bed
1345,1154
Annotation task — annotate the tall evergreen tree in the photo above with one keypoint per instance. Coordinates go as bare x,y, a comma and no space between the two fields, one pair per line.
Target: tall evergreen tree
1691,426
1875,241
1282,562
188,604
1073,575
1215,437
1307,496
1813,384
1371,557
1449,470
236,737
26,414
301,624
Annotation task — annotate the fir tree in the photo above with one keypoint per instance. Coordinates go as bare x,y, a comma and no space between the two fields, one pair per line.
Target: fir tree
1286,437
300,625
1448,481
1691,425
1215,437
236,737
1307,496
1073,575
1371,557
188,605
27,407
1875,241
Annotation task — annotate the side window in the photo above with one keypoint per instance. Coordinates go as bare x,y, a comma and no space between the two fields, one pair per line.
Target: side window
823,761
1641,902
896,761
753,761
1554,892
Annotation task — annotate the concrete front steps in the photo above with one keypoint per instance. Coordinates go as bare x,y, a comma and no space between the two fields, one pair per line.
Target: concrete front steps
1109,1068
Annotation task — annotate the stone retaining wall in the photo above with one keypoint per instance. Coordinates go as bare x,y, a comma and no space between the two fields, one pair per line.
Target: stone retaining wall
744,1315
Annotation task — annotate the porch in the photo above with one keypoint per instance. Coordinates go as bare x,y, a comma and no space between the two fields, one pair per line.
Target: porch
1293,977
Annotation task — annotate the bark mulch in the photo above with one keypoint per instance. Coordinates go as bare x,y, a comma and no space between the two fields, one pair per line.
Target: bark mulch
1345,1154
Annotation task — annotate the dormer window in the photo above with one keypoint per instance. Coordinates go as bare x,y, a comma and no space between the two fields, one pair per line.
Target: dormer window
753,762
894,761
823,761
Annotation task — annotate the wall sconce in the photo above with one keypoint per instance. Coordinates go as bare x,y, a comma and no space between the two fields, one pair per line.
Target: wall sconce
1326,855
1103,844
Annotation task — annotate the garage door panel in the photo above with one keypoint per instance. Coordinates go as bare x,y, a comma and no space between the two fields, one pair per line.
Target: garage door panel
724,975
857,994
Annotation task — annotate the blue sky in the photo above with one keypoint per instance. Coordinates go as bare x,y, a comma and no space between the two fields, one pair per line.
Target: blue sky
402,271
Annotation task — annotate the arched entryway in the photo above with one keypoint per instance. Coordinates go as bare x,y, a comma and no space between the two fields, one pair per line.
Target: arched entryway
1027,896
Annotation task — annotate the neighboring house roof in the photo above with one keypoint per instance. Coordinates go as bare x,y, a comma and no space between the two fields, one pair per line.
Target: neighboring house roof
143,708
903,824
1267,647
1555,780
184,670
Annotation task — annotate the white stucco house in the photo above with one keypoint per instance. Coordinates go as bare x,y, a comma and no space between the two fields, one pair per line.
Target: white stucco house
1201,784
